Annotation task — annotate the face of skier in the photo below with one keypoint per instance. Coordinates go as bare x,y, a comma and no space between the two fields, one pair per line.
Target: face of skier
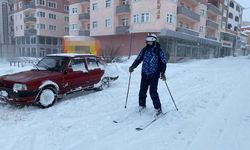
151,39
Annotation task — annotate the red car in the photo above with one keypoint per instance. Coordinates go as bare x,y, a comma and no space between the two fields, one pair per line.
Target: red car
54,76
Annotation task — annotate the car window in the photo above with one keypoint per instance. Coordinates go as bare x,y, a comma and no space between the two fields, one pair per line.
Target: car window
92,63
52,63
77,64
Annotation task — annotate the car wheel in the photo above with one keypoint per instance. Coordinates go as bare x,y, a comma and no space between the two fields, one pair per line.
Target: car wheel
47,97
104,83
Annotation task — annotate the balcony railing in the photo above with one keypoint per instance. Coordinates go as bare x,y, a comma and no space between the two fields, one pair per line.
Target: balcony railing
29,19
29,5
122,29
187,31
84,16
181,10
213,8
123,9
210,37
28,32
78,1
212,24
84,32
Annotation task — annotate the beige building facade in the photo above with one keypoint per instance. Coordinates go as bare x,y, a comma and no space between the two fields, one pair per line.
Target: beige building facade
187,28
39,26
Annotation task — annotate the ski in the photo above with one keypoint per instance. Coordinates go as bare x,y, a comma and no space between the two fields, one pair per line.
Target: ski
149,123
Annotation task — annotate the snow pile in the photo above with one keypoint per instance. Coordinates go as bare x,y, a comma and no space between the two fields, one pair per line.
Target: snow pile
212,97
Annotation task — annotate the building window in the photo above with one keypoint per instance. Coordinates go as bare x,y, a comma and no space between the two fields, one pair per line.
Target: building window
202,12
125,22
73,27
66,29
231,4
231,15
52,4
94,6
145,17
229,26
74,10
52,16
41,14
238,8
236,18
225,13
41,26
124,2
223,25
52,28
136,18
94,24
66,8
108,3
66,19
201,29
20,4
170,18
40,2
235,28
107,23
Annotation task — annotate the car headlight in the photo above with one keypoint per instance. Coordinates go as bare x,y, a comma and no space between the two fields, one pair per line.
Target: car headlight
19,87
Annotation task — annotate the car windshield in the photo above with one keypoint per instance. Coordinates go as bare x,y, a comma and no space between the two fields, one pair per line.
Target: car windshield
52,63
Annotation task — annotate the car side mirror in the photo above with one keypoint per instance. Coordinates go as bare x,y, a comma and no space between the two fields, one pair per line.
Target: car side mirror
68,70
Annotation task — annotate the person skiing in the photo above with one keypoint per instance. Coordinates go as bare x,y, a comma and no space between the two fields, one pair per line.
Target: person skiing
153,68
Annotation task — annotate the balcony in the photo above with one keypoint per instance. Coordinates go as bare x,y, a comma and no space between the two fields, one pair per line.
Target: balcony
84,16
29,32
181,10
212,24
78,1
187,31
123,9
84,33
29,19
213,9
210,37
28,6
122,30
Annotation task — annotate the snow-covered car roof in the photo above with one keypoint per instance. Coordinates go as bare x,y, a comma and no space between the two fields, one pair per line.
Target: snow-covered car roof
70,54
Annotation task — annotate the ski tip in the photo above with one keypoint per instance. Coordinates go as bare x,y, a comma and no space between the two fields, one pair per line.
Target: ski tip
138,129
114,121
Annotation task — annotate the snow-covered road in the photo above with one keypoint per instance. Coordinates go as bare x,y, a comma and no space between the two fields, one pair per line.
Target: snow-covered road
212,97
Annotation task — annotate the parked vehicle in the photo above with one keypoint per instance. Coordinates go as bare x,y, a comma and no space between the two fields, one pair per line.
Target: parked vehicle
53,77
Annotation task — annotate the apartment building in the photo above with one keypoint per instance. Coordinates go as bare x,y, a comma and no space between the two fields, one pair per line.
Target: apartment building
39,26
7,47
79,17
187,28
231,23
4,37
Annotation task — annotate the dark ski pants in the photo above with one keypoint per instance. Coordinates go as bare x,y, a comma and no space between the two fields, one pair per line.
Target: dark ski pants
152,82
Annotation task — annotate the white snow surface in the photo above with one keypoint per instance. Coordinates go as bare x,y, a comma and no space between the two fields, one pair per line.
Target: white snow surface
212,97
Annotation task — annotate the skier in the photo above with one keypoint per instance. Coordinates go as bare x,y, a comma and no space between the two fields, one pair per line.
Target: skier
153,68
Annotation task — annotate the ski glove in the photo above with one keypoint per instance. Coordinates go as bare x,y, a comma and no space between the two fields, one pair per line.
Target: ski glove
131,69
163,76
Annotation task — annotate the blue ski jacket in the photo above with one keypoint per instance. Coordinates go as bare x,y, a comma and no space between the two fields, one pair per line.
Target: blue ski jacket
154,60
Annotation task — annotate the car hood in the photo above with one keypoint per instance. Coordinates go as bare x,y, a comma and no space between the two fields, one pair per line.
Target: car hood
26,76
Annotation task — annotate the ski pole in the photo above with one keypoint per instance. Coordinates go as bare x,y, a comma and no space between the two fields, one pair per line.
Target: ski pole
171,95
128,90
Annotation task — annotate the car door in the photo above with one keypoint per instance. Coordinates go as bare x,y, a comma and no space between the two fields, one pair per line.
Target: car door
95,71
77,77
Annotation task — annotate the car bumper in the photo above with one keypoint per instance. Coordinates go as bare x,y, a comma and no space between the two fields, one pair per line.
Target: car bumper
19,98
